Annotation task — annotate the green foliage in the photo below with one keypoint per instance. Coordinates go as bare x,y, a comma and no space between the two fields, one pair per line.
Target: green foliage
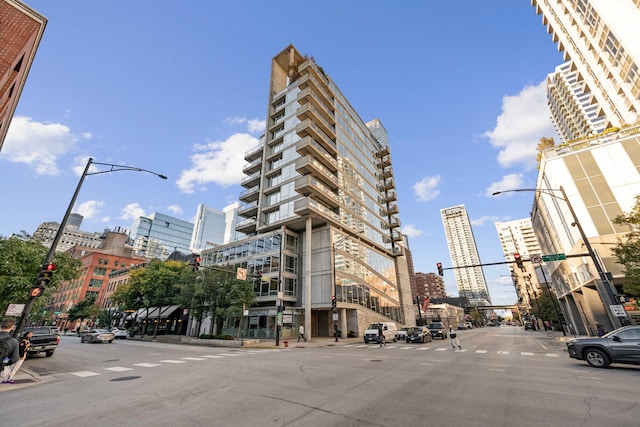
21,259
627,251
85,309
545,307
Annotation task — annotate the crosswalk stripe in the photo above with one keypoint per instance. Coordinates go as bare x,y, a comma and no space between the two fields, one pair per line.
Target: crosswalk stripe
503,352
147,365
84,374
481,351
118,369
193,358
526,353
552,355
213,356
442,349
172,361
423,348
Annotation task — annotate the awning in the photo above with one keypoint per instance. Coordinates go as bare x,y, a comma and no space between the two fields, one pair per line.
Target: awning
165,311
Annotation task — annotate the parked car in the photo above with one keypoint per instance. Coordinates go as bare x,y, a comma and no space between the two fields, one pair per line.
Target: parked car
438,330
469,325
401,335
119,333
45,339
529,325
418,334
462,326
619,346
98,335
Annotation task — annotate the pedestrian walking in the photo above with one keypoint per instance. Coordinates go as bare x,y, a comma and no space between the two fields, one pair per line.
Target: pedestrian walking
600,330
381,340
301,333
9,353
455,342
66,330
23,346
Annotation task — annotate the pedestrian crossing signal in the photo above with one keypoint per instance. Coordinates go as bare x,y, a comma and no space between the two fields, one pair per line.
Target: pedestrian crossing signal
36,292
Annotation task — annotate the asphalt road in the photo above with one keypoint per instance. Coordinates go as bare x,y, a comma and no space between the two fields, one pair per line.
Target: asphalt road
502,377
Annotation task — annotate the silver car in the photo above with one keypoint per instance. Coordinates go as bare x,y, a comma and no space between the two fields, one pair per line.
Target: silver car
98,335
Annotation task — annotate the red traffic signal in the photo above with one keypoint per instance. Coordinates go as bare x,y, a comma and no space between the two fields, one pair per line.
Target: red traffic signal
196,263
333,302
439,266
518,259
50,267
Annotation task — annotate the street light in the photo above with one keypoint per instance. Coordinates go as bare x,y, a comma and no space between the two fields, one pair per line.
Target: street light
603,277
113,168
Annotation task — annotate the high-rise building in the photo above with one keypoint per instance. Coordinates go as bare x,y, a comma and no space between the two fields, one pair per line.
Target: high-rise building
20,34
71,235
600,39
208,229
321,209
573,110
429,285
230,220
464,252
159,235
518,237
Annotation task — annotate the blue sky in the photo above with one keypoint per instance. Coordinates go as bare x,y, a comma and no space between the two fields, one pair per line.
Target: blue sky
180,88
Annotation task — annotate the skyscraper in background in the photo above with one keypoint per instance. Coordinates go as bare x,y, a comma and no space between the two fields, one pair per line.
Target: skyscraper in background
464,252
159,235
208,229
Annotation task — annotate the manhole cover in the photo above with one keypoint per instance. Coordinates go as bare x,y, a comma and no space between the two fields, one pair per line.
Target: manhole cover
133,377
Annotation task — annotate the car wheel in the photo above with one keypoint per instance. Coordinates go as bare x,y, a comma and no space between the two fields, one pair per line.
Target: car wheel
596,358
49,353
110,341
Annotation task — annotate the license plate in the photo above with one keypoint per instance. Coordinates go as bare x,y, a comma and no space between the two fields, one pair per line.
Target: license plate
105,340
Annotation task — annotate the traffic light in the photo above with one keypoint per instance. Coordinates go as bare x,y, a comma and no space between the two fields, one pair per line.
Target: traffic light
518,259
333,303
45,276
196,263
439,265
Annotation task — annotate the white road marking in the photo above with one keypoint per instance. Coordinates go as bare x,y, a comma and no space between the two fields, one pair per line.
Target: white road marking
589,378
423,348
404,348
552,355
428,364
84,374
526,353
172,361
503,352
147,365
480,351
118,369
213,356
496,370
193,358
155,354
442,349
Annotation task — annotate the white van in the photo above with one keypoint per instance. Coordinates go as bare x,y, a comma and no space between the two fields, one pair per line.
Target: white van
389,330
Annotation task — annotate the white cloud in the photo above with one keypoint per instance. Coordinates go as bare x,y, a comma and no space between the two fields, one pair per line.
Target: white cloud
219,162
37,144
524,120
132,212
89,209
256,125
175,209
411,230
508,182
487,218
427,188
237,120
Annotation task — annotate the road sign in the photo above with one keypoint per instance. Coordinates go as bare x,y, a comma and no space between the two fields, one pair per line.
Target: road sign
14,310
554,257
618,310
241,274
536,259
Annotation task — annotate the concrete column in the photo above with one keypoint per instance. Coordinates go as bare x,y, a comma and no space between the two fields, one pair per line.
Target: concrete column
307,280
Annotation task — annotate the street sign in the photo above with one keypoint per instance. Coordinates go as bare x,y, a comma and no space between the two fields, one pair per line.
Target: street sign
618,310
241,274
554,257
14,310
536,259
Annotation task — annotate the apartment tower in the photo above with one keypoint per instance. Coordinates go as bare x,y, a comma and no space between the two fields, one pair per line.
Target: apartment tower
463,252
321,208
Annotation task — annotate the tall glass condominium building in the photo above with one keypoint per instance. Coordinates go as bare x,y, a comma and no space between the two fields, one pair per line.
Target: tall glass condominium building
463,252
321,207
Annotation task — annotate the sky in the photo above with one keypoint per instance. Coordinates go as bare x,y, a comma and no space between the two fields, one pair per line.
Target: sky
181,89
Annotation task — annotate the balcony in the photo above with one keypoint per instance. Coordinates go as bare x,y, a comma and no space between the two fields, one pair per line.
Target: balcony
388,184
254,154
396,237
318,97
247,226
309,128
394,222
309,68
248,210
308,111
251,180
308,147
308,206
307,165
384,162
250,195
386,172
253,166
384,151
309,186
392,209
390,196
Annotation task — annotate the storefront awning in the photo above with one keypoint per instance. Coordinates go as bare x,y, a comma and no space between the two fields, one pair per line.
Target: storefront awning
165,311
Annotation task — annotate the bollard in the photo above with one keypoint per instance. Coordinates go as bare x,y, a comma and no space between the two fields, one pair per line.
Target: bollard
286,343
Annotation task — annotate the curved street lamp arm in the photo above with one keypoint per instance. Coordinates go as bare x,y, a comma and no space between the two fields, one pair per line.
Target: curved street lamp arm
117,168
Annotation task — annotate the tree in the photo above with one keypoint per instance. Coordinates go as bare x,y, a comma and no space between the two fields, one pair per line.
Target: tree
85,309
21,259
542,146
627,251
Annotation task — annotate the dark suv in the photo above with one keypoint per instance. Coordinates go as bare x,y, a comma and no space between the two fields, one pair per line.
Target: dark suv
619,346
438,330
418,334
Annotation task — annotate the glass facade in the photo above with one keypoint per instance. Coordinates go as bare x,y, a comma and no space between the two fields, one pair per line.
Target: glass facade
159,235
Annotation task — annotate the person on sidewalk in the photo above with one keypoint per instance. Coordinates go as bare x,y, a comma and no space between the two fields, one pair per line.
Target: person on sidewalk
8,349
381,340
24,344
455,342
301,333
